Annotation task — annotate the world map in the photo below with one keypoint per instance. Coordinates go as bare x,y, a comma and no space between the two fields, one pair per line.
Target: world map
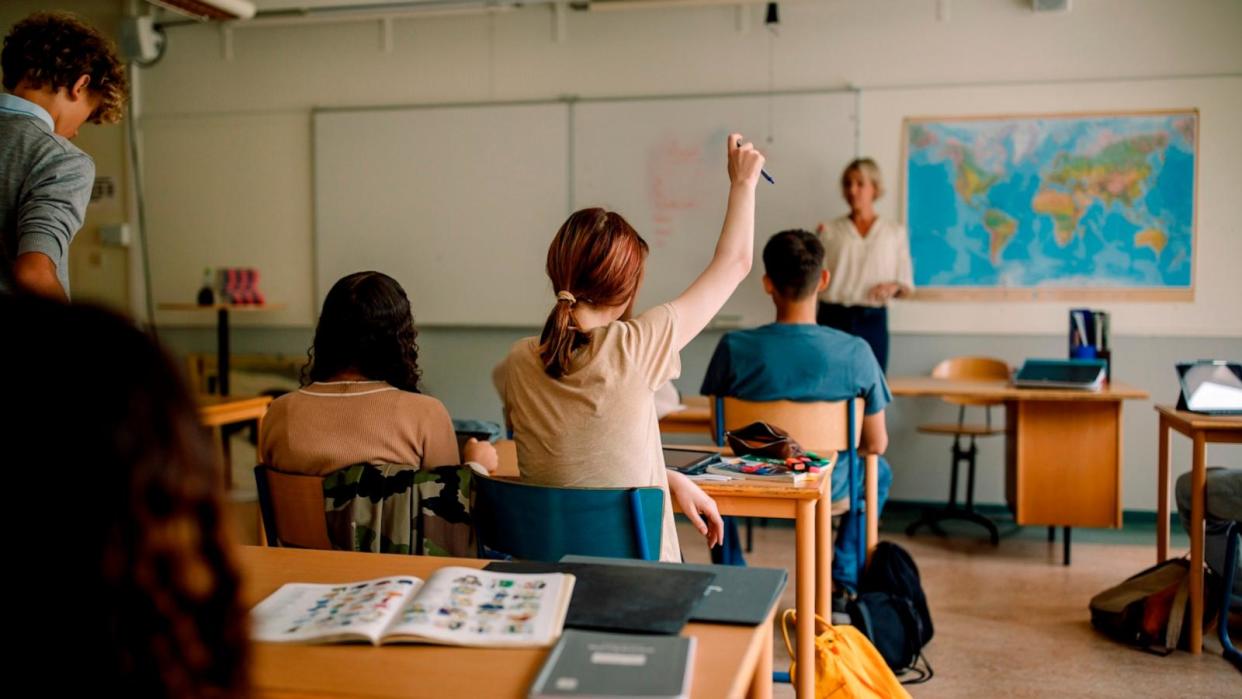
1027,203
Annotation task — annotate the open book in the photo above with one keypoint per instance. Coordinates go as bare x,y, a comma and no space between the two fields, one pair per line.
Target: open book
455,606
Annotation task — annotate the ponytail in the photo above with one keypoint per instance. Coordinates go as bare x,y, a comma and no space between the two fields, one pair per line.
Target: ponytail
560,337
598,255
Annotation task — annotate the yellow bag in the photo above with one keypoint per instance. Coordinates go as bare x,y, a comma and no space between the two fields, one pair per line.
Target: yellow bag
847,666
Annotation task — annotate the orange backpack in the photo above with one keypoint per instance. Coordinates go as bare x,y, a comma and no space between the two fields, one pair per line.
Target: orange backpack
847,666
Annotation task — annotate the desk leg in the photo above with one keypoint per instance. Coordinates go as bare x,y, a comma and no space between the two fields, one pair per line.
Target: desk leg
804,535
761,682
222,350
1197,486
823,558
1162,495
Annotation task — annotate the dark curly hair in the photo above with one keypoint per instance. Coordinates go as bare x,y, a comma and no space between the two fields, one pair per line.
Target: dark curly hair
366,326
116,513
54,49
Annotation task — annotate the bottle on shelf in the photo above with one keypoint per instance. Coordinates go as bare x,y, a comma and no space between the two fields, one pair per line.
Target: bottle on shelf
207,294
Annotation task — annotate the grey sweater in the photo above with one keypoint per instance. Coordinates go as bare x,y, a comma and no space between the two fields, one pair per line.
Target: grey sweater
45,185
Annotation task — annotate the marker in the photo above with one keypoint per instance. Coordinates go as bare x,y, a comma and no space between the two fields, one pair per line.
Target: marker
763,172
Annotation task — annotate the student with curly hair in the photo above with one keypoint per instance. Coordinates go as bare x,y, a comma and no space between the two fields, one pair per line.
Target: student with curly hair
58,73
122,573
361,401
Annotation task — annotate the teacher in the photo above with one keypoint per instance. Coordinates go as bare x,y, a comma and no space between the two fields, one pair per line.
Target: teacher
868,260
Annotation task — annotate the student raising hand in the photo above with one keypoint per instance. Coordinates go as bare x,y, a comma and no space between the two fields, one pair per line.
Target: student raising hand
735,249
745,163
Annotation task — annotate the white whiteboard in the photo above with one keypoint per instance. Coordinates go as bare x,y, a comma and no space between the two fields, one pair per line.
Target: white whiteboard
661,164
458,204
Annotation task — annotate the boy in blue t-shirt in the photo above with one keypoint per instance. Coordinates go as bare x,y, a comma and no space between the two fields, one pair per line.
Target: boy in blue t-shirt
796,359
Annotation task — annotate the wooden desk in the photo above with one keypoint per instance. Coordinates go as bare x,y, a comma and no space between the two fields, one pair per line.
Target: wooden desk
809,504
1201,430
730,661
1054,438
695,418
216,412
222,329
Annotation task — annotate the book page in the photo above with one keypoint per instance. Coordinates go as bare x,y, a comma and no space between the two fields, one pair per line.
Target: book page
468,606
303,612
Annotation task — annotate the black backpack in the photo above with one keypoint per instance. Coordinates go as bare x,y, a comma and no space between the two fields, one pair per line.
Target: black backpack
892,611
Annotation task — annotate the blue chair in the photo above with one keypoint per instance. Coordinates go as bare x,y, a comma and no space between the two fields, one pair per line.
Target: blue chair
544,523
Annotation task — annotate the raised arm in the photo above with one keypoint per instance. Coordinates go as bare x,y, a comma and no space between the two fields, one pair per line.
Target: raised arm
735,251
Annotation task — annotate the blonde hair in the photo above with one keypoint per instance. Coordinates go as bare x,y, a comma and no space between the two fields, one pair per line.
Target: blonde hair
867,168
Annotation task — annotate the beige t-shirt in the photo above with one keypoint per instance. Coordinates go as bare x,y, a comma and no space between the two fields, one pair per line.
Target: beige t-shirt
330,425
596,426
856,263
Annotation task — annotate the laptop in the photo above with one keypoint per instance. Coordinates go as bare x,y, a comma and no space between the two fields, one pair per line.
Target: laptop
738,595
1078,374
1210,386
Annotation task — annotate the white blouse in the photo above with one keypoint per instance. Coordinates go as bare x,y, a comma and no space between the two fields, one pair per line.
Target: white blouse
857,263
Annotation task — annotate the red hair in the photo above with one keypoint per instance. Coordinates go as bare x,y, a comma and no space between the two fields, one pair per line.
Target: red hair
597,257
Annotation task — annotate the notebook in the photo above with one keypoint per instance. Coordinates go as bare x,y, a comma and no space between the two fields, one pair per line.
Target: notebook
737,595
624,598
750,468
455,606
595,664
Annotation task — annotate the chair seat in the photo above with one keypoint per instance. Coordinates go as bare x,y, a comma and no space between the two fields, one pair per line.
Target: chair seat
954,428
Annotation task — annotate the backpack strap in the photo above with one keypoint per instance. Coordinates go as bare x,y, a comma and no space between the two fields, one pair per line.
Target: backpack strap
1177,615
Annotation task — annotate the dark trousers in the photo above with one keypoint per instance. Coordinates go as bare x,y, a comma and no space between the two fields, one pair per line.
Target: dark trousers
871,324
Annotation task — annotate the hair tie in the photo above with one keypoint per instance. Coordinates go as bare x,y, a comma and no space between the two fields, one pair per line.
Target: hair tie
567,297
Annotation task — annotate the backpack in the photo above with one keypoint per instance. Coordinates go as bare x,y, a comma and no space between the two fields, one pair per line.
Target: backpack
892,611
846,665
1150,609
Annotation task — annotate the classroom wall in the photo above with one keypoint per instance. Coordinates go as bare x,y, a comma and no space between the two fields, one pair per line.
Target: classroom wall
258,212
96,272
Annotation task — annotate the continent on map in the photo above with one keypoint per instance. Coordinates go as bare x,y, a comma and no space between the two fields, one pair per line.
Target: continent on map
1153,238
1065,210
1001,228
972,180
1115,173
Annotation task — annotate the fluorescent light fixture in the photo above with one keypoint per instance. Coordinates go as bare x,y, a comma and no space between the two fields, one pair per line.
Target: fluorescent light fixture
209,9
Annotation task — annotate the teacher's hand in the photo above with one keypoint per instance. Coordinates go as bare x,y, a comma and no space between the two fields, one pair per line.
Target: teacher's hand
883,292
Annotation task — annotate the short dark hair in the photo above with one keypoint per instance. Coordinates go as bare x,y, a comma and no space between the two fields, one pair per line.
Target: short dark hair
54,49
792,260
366,325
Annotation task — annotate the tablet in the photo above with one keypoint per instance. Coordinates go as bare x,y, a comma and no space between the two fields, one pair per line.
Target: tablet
1212,386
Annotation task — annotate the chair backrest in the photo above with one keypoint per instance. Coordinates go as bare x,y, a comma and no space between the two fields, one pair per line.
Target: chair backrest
971,369
544,523
293,509
819,426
